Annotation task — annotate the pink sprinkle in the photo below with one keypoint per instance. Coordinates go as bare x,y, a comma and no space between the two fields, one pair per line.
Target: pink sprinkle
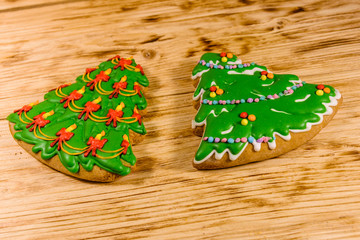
276,96
256,100
290,91
300,84
205,138
243,139
237,140
211,66
201,101
234,66
210,102
224,140
203,63
237,101
266,139
233,102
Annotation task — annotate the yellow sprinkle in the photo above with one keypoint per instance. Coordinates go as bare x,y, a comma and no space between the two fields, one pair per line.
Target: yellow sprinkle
319,92
244,122
224,59
263,77
212,94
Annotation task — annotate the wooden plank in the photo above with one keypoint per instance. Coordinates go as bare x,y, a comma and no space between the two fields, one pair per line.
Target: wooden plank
309,193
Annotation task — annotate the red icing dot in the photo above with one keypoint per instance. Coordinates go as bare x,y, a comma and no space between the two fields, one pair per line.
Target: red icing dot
243,115
320,87
264,72
223,54
212,89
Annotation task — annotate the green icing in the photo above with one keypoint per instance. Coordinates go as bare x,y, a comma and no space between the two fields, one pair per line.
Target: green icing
64,117
272,115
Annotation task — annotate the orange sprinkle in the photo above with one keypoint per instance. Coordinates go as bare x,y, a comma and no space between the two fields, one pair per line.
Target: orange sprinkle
326,90
251,117
219,91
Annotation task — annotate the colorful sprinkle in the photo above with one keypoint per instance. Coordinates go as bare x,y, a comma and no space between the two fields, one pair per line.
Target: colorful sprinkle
212,94
212,89
224,140
219,91
251,117
319,92
244,122
243,139
229,55
230,140
327,90
263,77
217,140
223,54
264,72
210,139
224,59
270,75
251,139
237,140
320,87
243,115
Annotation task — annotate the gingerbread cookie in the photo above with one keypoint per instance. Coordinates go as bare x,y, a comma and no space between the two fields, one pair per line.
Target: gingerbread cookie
83,129
246,113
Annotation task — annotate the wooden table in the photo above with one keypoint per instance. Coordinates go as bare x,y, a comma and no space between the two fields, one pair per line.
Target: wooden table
312,192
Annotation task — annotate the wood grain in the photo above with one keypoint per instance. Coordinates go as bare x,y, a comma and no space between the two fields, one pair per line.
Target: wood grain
312,192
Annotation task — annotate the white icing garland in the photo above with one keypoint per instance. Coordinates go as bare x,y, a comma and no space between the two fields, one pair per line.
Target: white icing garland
274,110
303,99
227,131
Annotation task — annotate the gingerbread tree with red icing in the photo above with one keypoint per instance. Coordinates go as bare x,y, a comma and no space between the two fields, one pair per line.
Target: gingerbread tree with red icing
88,122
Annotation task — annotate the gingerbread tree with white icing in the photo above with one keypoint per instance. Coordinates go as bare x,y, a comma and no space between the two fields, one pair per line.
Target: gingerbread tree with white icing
88,122
243,104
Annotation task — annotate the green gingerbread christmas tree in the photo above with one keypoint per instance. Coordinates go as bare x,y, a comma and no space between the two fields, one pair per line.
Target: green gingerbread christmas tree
243,104
87,123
